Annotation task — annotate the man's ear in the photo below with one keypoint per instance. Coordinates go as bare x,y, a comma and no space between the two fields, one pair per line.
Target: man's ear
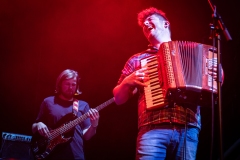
166,24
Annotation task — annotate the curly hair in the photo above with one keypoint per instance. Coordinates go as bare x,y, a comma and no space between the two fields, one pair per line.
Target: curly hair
148,12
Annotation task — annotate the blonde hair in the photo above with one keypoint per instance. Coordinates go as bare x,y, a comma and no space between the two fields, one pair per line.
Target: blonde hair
67,74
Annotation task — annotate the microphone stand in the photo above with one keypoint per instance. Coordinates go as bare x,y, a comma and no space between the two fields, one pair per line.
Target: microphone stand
215,30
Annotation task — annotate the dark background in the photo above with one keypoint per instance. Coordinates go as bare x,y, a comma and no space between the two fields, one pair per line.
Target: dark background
41,38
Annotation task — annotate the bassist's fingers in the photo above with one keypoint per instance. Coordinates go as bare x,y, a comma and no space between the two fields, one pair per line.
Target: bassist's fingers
47,134
44,132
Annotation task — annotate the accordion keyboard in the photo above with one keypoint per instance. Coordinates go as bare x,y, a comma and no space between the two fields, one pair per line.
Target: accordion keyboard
153,92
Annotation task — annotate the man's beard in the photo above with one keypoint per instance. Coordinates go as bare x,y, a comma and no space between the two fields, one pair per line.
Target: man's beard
68,95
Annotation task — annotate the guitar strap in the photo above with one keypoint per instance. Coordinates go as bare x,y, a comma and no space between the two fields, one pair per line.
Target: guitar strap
75,107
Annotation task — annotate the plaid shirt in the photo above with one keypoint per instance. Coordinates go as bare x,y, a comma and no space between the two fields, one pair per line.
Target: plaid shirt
168,114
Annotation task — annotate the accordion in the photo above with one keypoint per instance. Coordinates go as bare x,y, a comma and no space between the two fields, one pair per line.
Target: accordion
178,73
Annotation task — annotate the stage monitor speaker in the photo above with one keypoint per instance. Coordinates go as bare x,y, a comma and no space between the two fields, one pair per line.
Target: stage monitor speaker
16,147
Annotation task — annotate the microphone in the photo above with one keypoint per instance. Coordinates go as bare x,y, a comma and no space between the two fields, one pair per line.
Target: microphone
220,22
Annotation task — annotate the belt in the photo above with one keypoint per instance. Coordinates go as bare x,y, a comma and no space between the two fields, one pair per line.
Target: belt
166,126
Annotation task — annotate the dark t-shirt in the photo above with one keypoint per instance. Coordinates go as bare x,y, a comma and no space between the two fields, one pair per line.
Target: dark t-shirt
54,112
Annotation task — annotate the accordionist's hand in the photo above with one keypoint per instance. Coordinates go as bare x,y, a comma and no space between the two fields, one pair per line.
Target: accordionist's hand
212,70
137,78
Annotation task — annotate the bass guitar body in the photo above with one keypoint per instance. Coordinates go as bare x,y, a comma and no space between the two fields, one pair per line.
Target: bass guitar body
42,146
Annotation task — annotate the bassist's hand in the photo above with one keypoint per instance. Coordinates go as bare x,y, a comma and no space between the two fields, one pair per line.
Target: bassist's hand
42,129
94,117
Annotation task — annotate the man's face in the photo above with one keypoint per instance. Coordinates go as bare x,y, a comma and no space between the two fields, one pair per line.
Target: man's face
68,88
153,27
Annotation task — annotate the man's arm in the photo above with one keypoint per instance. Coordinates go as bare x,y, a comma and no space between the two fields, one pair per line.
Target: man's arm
91,130
122,92
127,87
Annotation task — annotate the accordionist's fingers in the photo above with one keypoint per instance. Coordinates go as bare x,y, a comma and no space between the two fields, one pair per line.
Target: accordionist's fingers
136,78
214,69
140,83
213,74
141,71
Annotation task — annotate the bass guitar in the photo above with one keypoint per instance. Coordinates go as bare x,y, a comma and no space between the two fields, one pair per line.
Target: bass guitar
42,147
